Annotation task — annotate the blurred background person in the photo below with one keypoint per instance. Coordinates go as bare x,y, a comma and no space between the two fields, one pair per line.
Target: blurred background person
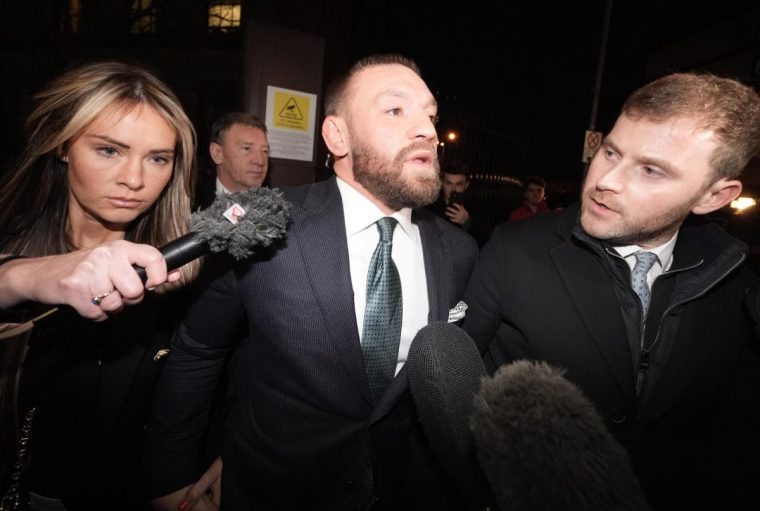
456,205
109,161
534,193
239,149
450,204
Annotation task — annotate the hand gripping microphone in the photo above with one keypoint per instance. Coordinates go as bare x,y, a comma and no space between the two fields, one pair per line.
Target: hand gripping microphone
236,223
543,446
444,369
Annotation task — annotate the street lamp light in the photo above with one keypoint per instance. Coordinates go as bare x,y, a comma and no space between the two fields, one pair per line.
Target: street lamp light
450,136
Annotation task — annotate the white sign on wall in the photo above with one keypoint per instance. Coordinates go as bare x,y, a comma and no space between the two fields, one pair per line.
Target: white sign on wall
290,119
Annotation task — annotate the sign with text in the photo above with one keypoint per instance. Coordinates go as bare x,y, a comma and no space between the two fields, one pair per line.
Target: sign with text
290,118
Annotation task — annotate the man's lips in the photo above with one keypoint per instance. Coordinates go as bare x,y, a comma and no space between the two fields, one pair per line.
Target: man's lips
421,156
600,207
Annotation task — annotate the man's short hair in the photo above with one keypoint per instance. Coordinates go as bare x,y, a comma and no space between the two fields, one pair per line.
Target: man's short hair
225,122
728,107
533,180
336,91
457,168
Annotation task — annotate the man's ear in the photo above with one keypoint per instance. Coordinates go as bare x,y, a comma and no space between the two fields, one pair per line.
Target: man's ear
216,152
334,131
720,193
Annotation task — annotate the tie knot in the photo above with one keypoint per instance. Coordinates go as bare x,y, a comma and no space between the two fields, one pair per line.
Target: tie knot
645,260
385,226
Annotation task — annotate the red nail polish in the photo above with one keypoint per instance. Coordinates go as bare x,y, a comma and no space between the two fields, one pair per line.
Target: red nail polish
183,505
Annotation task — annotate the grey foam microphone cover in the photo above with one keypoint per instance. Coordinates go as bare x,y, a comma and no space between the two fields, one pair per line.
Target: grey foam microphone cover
265,221
543,445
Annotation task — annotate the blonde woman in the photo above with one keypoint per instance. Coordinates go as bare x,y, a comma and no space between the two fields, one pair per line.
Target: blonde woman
106,174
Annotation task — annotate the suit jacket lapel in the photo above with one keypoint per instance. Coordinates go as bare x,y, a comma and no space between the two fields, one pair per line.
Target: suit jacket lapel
438,270
598,309
330,275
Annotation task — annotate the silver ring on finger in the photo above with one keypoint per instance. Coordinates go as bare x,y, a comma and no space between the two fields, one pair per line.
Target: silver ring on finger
97,299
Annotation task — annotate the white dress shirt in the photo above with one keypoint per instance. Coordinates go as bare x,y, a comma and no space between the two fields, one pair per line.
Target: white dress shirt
663,252
360,216
220,188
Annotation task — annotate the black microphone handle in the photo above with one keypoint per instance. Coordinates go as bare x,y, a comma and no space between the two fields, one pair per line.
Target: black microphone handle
178,253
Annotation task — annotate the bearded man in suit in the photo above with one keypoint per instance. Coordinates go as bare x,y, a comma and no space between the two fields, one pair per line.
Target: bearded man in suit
310,429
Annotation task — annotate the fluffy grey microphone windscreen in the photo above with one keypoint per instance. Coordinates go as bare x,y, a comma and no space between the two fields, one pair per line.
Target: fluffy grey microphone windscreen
265,221
261,217
543,446
444,369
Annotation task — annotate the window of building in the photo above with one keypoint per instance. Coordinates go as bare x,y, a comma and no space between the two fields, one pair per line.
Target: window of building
144,16
224,16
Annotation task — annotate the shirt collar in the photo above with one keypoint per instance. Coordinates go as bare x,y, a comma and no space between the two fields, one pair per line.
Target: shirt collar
664,252
364,212
220,188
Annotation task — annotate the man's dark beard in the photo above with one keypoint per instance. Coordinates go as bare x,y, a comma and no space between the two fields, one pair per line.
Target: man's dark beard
386,181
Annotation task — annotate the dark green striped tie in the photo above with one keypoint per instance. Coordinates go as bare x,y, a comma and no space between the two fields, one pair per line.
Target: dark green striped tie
383,313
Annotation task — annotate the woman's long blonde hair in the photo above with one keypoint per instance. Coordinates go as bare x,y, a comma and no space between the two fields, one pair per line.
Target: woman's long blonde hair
33,219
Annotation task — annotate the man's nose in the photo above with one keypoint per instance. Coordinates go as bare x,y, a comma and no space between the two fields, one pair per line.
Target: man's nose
259,157
423,128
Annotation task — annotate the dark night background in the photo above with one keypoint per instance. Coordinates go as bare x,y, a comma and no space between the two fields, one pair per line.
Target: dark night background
515,80
525,71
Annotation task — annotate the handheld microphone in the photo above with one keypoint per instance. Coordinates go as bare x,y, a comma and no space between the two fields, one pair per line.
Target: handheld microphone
543,445
262,219
444,369
236,223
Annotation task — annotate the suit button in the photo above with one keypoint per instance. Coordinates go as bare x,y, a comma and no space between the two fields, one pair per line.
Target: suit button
617,416
349,488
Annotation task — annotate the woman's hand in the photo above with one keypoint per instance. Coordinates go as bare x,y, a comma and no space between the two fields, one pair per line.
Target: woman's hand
95,282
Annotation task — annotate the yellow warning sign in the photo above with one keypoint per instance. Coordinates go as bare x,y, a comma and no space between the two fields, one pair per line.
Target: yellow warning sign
292,111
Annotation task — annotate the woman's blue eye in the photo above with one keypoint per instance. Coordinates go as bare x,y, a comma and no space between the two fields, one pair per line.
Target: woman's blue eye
108,151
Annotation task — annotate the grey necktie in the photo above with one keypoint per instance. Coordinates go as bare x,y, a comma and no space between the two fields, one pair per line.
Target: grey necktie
383,313
644,262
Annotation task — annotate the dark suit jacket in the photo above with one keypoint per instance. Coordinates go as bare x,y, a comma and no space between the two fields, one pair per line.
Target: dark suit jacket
540,293
305,433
